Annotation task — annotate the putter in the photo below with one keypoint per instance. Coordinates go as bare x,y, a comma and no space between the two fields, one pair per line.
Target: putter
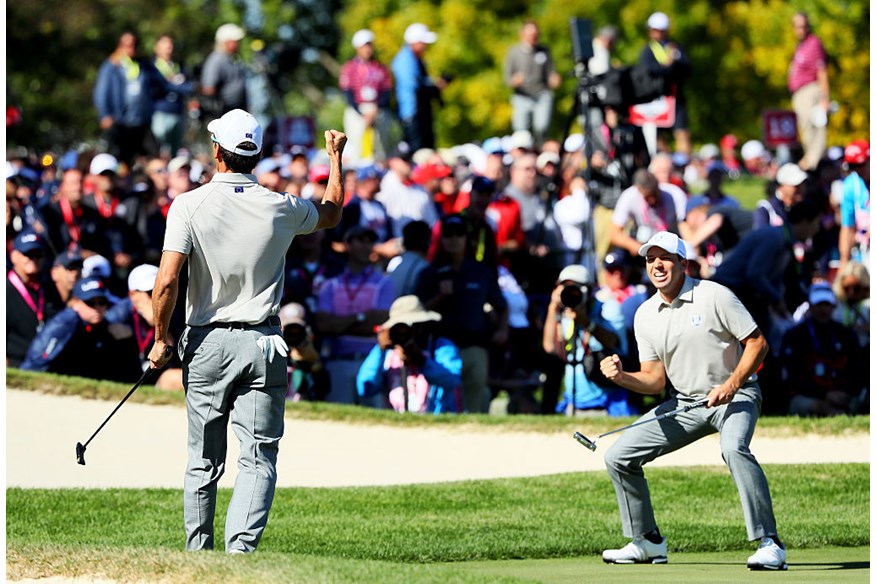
80,447
591,444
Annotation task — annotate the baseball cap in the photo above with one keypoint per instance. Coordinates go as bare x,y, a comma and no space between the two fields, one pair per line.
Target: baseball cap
791,175
858,152
665,240
319,172
96,265
574,142
616,258
422,156
293,313
266,165
493,145
229,32
359,231
234,128
752,149
427,172
368,172
70,259
68,160
819,293
709,151
178,162
482,184
680,159
102,163
142,278
362,37
403,151
87,289
28,241
658,21
521,139
419,33
575,273
545,158
729,141
695,202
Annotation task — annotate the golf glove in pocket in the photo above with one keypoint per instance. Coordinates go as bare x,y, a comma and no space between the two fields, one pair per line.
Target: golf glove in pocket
271,345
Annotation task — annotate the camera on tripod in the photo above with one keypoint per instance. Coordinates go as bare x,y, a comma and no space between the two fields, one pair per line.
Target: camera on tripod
401,334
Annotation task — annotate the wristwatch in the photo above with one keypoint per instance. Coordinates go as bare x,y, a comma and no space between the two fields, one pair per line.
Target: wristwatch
360,317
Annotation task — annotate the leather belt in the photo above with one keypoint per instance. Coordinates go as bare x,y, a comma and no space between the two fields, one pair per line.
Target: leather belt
270,321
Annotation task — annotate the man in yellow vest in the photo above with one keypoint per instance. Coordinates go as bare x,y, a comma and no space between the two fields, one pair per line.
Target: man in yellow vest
666,59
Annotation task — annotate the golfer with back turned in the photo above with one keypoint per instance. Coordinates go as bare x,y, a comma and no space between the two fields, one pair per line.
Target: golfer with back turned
234,234
697,335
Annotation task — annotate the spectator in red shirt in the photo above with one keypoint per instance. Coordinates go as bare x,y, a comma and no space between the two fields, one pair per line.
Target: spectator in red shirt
367,85
810,92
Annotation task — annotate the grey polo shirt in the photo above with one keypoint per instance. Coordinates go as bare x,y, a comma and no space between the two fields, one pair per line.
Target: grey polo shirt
696,337
235,233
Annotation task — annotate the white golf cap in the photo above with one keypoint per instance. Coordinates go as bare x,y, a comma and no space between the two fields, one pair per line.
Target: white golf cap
362,37
521,139
545,158
96,266
752,149
658,21
103,162
229,32
234,128
708,151
419,33
293,313
574,142
142,278
666,241
791,175
575,273
178,162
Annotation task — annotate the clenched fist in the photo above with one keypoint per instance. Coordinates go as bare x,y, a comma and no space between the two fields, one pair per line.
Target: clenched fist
611,367
335,142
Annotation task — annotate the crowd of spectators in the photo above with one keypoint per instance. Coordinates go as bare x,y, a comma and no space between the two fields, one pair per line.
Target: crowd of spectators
456,273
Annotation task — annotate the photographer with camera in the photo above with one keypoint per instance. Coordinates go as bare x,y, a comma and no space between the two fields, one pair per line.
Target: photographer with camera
308,379
582,330
413,368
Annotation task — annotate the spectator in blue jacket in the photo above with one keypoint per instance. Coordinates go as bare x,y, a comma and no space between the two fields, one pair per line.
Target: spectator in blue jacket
79,341
415,370
124,95
414,89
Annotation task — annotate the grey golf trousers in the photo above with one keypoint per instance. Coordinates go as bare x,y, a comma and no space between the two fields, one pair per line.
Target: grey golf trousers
227,378
638,446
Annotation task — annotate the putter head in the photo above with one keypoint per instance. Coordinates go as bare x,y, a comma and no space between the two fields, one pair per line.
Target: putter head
583,440
80,453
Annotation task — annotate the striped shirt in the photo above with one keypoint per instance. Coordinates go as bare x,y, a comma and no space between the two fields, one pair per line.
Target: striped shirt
809,58
366,79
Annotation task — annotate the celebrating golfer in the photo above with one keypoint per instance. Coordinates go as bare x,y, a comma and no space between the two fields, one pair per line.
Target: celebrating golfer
697,335
234,234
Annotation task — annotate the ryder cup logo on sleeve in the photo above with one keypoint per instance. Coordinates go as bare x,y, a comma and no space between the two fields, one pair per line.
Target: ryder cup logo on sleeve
696,320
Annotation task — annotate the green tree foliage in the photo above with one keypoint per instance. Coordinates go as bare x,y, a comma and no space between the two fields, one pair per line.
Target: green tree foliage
740,52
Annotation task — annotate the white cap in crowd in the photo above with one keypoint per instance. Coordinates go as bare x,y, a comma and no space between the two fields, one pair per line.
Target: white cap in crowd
142,278
234,128
667,241
419,33
103,162
791,175
96,266
575,273
229,32
658,21
752,149
362,37
293,313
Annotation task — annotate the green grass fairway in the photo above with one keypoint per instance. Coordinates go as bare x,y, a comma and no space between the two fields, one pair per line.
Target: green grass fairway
549,528
824,565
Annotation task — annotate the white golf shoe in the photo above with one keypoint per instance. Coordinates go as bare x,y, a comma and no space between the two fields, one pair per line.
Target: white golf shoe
769,556
638,551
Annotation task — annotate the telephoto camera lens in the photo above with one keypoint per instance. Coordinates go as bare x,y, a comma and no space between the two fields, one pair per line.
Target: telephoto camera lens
294,334
572,296
400,334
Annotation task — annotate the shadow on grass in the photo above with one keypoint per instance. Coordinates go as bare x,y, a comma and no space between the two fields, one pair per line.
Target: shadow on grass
796,566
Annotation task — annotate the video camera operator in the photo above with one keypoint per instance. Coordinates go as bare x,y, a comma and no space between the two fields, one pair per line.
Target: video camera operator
415,370
308,379
581,329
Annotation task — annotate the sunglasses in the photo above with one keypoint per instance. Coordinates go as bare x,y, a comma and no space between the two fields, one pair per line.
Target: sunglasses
98,303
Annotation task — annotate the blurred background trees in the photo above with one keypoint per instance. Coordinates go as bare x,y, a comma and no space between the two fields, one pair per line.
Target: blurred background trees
740,53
